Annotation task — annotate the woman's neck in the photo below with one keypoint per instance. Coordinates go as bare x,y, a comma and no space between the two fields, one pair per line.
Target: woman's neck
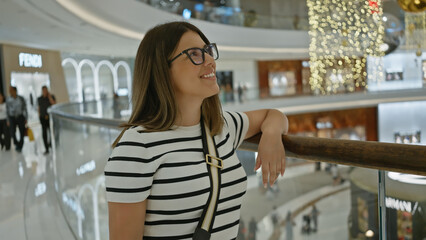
189,114
188,117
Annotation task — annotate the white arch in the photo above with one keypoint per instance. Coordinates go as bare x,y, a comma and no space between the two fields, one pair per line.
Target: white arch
92,66
95,72
113,71
77,74
128,77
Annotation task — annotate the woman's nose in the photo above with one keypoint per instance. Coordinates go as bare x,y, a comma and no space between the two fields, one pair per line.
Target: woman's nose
209,60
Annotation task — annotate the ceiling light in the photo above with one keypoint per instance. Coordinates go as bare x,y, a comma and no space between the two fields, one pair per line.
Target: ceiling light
99,22
407,178
369,233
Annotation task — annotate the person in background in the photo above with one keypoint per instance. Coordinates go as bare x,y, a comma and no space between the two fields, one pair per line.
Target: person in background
17,117
289,223
240,93
252,229
275,216
116,106
314,216
44,102
335,174
4,125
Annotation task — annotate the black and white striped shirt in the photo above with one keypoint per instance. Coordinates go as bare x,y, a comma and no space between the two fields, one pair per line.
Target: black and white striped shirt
169,170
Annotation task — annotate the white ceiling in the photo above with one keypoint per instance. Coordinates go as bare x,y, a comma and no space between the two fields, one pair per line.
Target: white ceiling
114,28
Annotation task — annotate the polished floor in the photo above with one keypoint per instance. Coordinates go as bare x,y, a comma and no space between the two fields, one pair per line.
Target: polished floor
30,206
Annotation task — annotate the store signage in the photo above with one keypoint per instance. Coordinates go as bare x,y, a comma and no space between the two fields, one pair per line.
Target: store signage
397,204
85,168
30,60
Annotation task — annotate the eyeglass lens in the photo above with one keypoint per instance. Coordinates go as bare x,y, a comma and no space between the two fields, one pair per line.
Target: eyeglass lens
196,54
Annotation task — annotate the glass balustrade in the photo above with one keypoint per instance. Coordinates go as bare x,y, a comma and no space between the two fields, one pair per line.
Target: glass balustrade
230,15
312,200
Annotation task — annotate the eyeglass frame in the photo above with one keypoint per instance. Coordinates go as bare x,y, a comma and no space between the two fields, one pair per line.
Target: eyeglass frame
203,51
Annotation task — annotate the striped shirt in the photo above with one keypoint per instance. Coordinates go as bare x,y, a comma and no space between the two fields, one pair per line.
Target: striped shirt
169,170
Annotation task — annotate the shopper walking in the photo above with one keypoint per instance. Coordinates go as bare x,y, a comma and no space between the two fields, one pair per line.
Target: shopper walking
4,125
166,177
17,116
314,216
252,229
289,223
275,217
44,102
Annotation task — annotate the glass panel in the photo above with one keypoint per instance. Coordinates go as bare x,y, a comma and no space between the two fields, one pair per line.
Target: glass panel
405,199
345,198
82,151
344,207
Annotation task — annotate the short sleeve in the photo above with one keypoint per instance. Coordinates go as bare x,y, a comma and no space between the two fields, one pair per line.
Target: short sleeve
129,171
238,124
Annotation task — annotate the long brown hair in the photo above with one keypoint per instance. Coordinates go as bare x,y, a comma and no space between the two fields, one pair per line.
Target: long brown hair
153,98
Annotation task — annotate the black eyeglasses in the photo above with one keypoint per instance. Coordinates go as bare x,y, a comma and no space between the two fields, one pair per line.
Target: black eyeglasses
196,55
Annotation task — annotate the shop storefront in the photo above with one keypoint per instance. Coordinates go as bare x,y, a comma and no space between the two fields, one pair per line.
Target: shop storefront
28,70
405,207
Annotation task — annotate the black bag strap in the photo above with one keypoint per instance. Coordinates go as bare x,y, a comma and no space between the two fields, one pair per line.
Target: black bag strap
214,166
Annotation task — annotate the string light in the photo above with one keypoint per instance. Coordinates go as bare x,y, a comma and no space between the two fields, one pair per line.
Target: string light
415,31
343,34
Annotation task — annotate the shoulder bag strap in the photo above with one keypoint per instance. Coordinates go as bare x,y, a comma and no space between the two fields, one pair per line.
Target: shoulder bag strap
214,166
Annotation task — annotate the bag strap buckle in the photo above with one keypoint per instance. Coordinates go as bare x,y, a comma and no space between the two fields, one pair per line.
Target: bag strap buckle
214,161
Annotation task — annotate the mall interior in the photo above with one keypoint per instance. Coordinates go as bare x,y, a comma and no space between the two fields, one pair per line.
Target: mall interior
346,72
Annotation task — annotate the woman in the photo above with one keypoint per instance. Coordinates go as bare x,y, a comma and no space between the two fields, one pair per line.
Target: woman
4,125
157,180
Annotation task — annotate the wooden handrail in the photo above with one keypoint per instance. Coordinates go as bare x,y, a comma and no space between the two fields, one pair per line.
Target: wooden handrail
403,158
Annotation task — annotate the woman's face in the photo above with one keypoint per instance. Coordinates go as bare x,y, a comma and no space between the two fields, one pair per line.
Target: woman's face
193,82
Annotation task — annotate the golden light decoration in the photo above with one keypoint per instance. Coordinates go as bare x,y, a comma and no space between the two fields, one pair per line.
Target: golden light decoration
343,34
415,31
412,5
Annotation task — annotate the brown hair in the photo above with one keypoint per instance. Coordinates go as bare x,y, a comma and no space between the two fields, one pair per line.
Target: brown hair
153,98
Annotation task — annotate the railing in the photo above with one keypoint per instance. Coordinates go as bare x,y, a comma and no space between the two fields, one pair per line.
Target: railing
83,135
410,159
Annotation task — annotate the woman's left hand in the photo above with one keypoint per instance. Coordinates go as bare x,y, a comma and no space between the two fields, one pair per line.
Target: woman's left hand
271,157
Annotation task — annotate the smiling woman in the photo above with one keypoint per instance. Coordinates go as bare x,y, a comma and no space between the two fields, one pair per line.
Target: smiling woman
173,172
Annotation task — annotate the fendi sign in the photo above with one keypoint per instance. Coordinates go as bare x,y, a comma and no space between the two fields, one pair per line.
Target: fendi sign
30,60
